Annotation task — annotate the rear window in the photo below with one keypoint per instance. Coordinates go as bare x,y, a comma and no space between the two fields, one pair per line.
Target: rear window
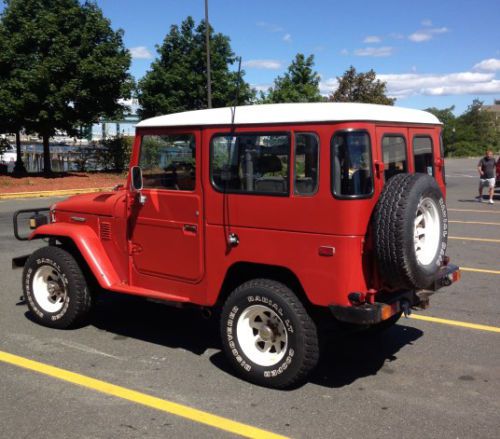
394,153
351,164
422,153
250,163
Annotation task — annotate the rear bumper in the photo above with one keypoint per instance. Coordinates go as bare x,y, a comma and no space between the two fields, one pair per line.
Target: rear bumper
390,304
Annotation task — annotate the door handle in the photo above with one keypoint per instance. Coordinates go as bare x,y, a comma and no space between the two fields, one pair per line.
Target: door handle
190,228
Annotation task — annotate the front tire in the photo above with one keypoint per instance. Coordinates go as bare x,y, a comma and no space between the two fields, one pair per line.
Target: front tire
55,288
267,334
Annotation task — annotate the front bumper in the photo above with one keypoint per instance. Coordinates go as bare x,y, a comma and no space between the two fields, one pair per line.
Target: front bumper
389,304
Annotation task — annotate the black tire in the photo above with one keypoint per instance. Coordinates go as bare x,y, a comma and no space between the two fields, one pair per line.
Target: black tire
402,199
287,319
55,288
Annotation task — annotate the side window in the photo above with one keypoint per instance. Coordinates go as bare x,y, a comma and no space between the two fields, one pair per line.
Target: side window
168,162
394,154
422,153
306,164
250,163
351,164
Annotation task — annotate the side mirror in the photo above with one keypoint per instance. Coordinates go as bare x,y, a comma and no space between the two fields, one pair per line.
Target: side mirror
136,182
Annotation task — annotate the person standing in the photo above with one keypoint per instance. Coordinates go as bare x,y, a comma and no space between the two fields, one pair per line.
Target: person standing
486,169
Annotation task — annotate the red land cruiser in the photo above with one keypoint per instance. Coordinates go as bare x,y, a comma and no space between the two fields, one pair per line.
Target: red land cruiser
275,215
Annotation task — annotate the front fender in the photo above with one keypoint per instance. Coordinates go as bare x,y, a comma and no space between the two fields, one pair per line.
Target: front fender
88,244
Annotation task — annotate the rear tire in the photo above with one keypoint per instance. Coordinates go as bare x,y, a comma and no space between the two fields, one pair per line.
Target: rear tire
267,335
55,288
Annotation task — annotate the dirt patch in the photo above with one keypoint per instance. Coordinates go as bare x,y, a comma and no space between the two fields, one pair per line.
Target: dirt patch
60,181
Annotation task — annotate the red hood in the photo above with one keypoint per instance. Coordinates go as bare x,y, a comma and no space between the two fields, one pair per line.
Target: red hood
101,203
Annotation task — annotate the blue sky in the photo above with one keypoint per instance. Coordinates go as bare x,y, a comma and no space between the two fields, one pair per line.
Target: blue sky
431,53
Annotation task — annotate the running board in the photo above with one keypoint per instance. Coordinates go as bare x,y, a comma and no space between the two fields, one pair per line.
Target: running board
144,292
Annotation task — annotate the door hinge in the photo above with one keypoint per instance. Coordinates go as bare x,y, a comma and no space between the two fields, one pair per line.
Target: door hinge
135,248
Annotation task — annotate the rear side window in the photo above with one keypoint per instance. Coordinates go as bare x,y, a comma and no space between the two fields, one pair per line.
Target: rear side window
306,164
394,153
250,163
351,164
422,153
168,162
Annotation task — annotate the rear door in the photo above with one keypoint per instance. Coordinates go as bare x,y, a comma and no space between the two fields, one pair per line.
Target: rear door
393,151
426,155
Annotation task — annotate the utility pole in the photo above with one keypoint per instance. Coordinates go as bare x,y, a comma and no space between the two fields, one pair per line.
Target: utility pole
207,37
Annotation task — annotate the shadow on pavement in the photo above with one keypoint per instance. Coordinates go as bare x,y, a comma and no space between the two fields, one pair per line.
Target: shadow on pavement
132,317
345,358
348,357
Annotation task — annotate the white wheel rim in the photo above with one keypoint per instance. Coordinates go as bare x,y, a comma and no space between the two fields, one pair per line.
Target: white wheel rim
427,231
48,289
262,335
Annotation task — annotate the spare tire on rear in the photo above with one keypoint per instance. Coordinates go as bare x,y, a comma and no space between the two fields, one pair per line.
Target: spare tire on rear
410,226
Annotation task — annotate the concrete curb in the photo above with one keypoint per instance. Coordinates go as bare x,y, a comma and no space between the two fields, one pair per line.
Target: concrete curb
44,194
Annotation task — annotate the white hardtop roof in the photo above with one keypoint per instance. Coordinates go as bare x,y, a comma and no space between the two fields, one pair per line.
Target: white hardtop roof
293,113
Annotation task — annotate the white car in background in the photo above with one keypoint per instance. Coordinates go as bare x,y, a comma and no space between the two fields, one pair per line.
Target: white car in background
9,158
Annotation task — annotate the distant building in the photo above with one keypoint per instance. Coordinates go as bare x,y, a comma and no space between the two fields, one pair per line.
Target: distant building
495,108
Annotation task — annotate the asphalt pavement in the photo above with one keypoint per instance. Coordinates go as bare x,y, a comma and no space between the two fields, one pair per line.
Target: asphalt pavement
418,379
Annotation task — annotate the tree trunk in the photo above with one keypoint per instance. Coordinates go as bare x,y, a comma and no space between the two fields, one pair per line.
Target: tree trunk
19,168
47,170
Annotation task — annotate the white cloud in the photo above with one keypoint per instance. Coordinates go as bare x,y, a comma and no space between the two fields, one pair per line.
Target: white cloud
372,39
404,85
287,38
426,23
270,27
267,64
427,34
374,51
344,52
328,86
411,84
140,52
488,65
419,37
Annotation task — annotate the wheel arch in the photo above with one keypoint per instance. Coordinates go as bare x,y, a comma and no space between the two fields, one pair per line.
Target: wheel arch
82,242
241,272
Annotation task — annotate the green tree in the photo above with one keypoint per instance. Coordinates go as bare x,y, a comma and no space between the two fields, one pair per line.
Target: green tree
63,66
449,121
477,125
177,80
11,120
361,87
299,84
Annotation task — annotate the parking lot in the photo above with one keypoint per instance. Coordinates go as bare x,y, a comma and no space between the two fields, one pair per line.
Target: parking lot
436,374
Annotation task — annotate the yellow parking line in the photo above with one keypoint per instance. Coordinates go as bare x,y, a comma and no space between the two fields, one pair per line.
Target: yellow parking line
468,238
456,323
139,398
474,210
474,222
479,270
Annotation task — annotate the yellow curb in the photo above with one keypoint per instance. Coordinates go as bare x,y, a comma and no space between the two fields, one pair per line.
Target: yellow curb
59,193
